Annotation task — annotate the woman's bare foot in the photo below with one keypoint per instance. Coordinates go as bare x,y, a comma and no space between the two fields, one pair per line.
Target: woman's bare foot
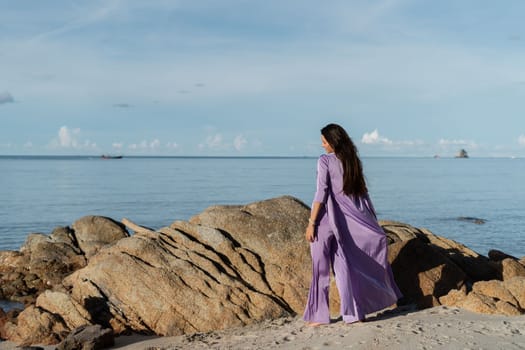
314,324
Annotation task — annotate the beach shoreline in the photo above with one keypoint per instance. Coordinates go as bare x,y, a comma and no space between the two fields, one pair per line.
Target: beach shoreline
402,328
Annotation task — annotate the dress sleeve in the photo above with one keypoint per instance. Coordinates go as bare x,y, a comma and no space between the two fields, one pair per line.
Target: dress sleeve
321,193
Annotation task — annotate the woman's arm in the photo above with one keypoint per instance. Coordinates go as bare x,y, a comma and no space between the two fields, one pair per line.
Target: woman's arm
312,221
320,197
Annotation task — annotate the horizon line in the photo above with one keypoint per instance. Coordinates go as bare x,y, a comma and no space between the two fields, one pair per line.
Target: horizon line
243,156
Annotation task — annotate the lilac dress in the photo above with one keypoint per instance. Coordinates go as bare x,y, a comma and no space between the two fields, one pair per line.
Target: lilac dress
350,240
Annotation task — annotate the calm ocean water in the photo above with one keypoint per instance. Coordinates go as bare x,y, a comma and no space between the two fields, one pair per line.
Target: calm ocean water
40,193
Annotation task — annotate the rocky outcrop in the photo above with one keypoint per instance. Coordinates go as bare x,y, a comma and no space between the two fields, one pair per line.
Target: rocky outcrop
43,261
228,266
491,297
234,265
475,266
503,295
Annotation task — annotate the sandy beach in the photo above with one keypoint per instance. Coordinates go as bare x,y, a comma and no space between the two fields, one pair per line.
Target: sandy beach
435,328
403,328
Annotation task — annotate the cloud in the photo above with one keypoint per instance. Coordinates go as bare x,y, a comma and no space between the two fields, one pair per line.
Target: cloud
445,142
5,97
117,145
239,142
521,140
146,145
172,145
122,105
70,139
460,142
213,142
28,144
216,142
373,138
154,144
66,138
89,17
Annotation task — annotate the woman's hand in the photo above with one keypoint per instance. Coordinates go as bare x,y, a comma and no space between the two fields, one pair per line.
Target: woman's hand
310,233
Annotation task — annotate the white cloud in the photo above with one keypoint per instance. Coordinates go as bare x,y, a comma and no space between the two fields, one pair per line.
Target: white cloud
154,144
239,142
5,97
65,138
139,146
70,139
117,145
373,137
521,140
445,142
144,145
28,144
460,142
213,142
172,145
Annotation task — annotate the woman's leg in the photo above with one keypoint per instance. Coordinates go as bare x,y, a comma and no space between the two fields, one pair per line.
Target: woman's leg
322,250
347,287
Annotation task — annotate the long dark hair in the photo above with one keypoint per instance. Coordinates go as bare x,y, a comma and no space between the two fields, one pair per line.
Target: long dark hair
344,148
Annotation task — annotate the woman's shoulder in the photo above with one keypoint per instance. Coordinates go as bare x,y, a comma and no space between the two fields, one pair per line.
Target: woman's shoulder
326,158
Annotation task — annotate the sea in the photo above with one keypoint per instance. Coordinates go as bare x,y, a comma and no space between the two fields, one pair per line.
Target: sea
39,193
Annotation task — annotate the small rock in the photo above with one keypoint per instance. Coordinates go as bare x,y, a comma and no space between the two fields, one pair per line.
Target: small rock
88,338
473,220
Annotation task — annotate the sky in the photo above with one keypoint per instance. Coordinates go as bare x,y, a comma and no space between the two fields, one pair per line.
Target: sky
261,78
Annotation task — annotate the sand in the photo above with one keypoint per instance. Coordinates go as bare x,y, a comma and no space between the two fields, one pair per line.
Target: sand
402,328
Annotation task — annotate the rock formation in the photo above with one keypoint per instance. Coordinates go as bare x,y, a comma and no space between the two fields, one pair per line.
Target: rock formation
228,266
43,261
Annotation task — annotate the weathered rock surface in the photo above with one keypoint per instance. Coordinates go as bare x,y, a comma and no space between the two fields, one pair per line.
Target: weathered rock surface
475,266
511,268
88,338
491,297
34,325
234,265
94,232
43,261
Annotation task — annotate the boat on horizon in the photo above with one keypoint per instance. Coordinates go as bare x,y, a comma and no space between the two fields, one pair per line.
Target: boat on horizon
107,156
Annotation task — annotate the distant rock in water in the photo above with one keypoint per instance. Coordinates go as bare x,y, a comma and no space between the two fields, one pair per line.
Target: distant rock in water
462,154
473,220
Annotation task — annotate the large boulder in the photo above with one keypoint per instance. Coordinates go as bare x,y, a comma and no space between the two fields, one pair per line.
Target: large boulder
274,230
94,232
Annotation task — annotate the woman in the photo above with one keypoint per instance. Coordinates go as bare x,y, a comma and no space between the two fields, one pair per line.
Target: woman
344,233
